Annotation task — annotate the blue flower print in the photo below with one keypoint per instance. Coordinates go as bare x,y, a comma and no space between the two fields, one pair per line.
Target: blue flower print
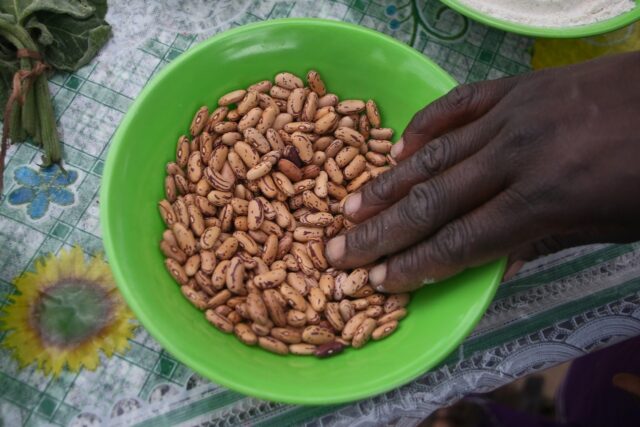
40,187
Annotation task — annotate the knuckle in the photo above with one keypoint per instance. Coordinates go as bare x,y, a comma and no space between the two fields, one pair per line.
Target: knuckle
525,130
516,198
432,158
379,190
409,266
524,133
518,141
363,236
460,97
421,120
451,244
414,211
528,203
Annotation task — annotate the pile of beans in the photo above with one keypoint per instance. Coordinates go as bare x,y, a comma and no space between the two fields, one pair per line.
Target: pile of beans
249,203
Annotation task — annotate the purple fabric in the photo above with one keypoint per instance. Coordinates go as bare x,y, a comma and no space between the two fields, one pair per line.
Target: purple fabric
587,397
502,416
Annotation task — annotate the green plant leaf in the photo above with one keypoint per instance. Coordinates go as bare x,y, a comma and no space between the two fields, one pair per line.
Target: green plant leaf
68,34
8,64
7,50
7,17
8,67
39,32
100,7
5,88
22,9
75,42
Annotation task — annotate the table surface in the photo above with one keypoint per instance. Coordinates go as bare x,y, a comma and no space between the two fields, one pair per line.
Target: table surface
556,309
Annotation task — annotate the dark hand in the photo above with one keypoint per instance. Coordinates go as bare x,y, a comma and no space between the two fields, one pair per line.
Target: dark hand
519,166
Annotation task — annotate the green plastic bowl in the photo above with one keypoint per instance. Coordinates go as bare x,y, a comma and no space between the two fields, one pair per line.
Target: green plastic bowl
355,63
566,32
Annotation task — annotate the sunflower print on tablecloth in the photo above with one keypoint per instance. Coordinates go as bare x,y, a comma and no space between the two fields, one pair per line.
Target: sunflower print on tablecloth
65,313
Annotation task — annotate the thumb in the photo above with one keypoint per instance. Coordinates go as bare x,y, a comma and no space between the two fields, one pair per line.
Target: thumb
546,246
627,382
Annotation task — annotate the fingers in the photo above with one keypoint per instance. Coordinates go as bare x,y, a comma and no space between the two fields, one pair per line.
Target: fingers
545,246
552,244
426,208
532,250
513,267
627,382
429,161
487,233
462,105
555,243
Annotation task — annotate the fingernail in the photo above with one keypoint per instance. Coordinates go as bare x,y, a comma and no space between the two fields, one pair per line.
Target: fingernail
377,275
335,249
397,148
352,204
512,270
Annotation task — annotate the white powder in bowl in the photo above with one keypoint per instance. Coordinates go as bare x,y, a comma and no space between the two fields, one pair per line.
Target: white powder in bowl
552,13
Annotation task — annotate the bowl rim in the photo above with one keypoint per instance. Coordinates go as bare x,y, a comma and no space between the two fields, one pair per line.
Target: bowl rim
118,145
578,31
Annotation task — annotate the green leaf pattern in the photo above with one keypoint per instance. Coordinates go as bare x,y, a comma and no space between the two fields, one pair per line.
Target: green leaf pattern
75,41
22,9
68,32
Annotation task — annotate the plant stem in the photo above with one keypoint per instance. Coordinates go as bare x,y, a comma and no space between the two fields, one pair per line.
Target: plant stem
21,39
49,133
41,126
29,113
17,132
17,36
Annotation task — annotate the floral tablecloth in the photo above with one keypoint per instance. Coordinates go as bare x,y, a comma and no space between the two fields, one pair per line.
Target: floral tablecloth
556,309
